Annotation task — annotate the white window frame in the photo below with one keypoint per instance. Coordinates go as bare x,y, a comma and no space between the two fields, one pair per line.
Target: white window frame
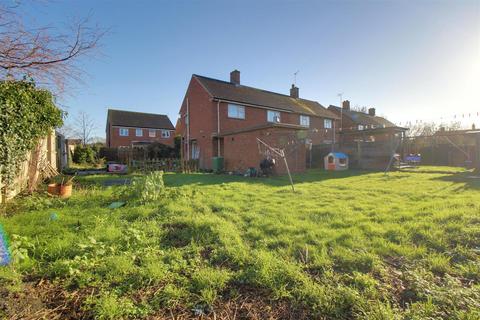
152,133
123,132
137,130
304,121
328,123
360,127
236,111
271,114
165,133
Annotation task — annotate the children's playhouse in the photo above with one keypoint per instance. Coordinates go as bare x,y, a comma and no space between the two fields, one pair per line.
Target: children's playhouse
336,161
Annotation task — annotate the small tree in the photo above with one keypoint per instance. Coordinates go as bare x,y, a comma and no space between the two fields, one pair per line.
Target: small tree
84,155
84,127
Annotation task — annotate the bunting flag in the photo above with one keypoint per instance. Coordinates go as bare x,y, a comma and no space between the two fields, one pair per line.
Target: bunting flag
4,248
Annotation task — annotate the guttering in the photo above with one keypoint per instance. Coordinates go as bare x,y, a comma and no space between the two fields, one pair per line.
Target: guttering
332,116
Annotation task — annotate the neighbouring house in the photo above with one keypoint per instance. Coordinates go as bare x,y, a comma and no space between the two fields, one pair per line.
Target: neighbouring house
224,119
127,128
364,126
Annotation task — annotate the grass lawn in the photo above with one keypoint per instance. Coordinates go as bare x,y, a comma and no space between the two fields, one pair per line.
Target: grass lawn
345,245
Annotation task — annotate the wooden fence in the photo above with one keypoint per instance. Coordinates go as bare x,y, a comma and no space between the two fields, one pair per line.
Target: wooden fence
167,164
362,155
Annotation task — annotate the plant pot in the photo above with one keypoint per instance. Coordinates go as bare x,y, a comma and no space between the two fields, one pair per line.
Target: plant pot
52,189
65,191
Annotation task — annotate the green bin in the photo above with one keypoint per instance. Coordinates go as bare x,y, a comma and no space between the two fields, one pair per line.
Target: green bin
217,164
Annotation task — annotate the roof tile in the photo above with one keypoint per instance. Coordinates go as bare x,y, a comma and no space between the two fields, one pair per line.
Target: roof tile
139,119
243,94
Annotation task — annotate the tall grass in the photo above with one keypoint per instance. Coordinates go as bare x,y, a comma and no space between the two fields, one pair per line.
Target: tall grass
344,245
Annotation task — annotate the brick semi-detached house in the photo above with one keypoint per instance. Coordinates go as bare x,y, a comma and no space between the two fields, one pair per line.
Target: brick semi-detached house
127,128
224,119
364,126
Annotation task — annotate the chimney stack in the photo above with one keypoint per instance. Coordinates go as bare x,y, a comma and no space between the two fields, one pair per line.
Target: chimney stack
235,77
294,92
346,105
371,112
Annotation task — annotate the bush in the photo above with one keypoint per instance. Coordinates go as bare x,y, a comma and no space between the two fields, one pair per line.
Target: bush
83,155
159,150
145,189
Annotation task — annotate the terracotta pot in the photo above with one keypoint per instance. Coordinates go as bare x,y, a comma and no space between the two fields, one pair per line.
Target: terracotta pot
52,188
65,191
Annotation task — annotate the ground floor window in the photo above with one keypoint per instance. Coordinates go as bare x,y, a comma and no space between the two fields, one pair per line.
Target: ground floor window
195,150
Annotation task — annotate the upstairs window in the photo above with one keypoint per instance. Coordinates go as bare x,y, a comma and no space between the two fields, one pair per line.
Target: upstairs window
235,111
165,134
360,127
151,133
273,116
138,132
124,132
327,123
304,121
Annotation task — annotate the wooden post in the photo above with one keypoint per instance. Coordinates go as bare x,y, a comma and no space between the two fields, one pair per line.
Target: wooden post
359,154
477,153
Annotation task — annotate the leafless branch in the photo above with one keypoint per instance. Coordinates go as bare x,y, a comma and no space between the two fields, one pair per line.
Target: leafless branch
83,127
44,54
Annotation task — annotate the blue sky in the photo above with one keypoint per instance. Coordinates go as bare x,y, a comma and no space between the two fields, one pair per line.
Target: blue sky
409,59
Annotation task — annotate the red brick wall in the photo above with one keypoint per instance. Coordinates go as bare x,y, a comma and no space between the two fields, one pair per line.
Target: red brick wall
120,141
241,151
258,116
203,123
202,113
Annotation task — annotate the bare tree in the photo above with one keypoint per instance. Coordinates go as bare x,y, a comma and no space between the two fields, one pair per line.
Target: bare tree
43,53
83,127
429,128
66,130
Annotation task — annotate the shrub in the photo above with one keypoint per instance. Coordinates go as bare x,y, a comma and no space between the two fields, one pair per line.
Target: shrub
159,150
84,155
145,189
